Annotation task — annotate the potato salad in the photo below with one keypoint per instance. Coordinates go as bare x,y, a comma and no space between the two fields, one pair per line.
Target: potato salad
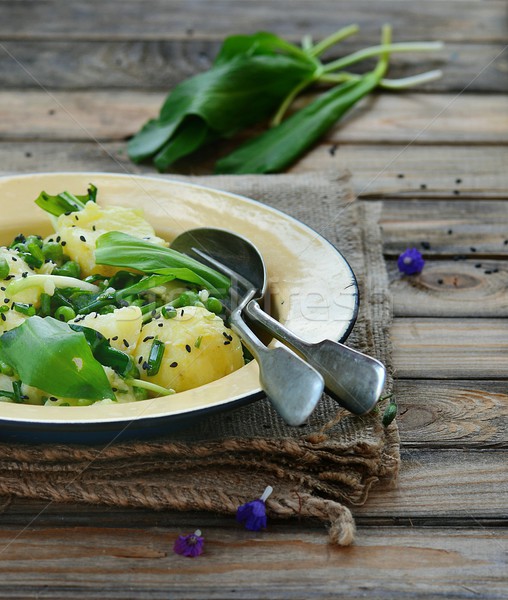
102,310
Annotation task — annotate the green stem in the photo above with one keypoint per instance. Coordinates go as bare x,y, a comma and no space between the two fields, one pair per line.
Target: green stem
286,103
333,39
355,57
151,387
391,84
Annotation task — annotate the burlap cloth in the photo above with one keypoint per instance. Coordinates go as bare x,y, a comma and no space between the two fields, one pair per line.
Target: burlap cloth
319,470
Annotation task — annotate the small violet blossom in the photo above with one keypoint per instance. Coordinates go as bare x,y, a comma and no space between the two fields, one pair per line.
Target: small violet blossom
253,514
410,262
190,545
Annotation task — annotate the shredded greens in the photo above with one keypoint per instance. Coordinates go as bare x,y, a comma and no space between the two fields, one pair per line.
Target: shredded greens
256,78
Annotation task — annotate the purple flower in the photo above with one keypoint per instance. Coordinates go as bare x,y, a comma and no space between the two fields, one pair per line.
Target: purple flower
190,545
410,262
252,515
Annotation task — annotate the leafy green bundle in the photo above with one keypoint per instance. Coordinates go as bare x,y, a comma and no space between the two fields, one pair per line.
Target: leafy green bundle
257,77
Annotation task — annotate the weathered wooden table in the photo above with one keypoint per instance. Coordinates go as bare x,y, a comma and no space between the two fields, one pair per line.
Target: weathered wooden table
78,78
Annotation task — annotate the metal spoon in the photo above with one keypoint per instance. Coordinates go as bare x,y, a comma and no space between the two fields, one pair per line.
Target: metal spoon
293,386
352,378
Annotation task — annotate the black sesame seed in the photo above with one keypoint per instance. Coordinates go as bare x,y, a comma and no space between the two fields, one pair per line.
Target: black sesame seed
140,360
227,342
14,259
173,365
114,338
160,324
187,347
4,318
125,343
144,366
182,312
63,243
76,217
6,300
24,274
148,337
93,227
82,238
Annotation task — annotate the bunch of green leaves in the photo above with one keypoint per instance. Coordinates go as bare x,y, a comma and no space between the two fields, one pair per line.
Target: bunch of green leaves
255,78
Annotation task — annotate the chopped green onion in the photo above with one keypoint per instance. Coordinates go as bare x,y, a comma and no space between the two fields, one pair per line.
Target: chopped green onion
4,308
45,305
155,357
4,267
198,341
148,385
68,269
24,309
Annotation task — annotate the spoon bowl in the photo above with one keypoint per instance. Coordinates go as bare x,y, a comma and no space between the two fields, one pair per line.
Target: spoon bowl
352,378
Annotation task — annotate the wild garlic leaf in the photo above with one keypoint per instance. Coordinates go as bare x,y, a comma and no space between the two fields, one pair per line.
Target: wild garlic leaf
65,201
49,355
228,98
279,147
262,42
122,250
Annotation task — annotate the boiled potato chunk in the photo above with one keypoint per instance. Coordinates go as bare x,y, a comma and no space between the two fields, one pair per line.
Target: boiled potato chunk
17,269
198,349
79,231
121,327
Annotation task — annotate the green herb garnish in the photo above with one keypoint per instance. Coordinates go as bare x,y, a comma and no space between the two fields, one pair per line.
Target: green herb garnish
255,78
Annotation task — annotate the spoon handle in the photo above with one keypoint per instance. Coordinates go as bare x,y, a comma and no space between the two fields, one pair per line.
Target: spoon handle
293,387
353,379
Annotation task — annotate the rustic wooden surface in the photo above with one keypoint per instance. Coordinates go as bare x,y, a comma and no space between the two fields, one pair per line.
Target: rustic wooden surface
78,78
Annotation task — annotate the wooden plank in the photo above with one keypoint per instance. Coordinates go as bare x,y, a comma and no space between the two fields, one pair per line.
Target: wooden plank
431,348
170,19
442,228
412,171
375,169
386,562
445,414
444,483
150,65
386,118
460,288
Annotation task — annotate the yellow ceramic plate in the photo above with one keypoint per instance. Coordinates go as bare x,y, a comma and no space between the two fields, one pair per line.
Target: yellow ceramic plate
312,290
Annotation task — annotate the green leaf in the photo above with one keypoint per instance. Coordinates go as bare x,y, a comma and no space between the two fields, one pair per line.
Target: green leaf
262,42
49,355
228,98
65,201
192,133
122,250
280,146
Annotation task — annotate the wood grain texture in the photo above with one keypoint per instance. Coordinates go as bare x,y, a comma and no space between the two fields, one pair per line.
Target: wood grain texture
160,65
385,118
443,228
431,348
454,20
120,562
456,288
375,169
444,414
